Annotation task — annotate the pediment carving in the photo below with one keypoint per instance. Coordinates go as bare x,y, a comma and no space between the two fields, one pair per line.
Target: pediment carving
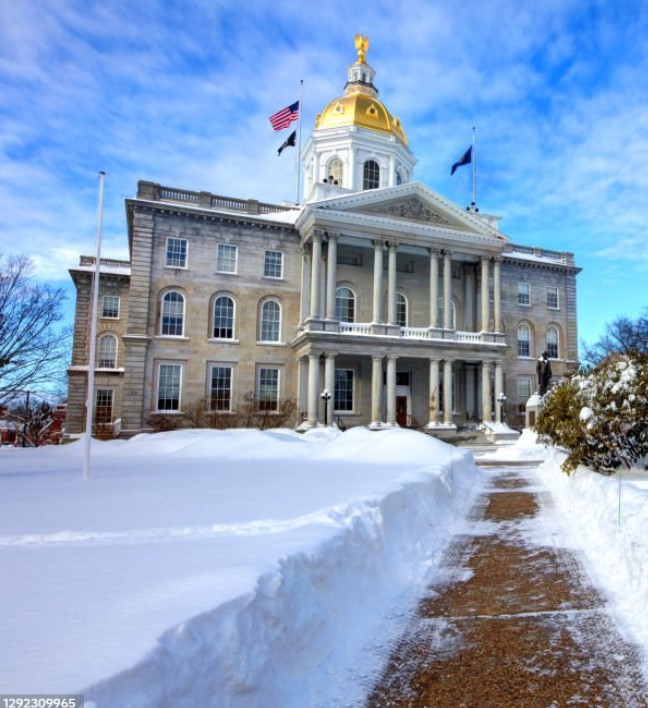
413,209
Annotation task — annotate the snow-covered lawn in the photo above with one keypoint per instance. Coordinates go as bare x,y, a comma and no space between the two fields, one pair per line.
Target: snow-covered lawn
247,568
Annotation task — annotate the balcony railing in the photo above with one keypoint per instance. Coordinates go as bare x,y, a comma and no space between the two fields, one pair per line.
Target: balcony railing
426,333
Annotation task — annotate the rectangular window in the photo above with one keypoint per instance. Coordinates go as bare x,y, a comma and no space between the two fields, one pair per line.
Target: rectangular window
268,389
110,307
273,264
226,258
491,289
176,252
524,385
524,294
220,392
552,298
343,398
168,390
104,406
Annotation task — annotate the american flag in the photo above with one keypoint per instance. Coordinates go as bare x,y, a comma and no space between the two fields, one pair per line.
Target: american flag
283,118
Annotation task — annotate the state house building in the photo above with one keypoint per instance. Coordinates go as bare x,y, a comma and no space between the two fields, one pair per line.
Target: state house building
407,308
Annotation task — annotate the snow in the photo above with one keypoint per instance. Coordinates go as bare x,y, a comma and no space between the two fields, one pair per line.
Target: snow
247,568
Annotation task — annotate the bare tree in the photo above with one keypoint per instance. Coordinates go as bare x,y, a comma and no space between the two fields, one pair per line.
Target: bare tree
622,336
33,350
34,419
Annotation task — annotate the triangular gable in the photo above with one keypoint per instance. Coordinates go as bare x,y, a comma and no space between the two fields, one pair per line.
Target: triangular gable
411,202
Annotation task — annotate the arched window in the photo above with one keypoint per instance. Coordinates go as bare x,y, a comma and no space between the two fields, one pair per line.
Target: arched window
107,352
335,171
172,314
223,318
524,340
399,177
553,342
401,310
345,304
453,314
371,175
270,322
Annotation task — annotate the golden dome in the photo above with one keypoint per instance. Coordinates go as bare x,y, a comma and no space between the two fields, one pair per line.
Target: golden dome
360,104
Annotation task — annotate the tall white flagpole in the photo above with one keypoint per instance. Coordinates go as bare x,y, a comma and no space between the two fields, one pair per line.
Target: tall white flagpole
474,164
92,352
301,113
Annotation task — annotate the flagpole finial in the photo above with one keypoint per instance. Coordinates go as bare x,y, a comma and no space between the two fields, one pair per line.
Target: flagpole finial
362,45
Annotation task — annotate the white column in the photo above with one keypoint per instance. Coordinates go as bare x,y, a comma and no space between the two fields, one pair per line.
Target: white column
306,281
331,276
447,392
303,385
486,393
447,283
391,283
350,183
313,388
391,390
499,388
497,295
470,391
434,287
376,387
485,314
434,391
469,307
316,275
378,279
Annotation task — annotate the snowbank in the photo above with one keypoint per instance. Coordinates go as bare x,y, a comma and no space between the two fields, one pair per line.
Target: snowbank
225,568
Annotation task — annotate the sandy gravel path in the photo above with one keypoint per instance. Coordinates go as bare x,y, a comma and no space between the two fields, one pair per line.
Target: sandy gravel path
516,621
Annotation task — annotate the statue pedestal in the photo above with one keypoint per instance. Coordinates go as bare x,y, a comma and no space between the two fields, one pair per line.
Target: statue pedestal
532,409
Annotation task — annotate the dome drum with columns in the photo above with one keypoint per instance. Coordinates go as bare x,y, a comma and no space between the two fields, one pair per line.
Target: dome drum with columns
357,143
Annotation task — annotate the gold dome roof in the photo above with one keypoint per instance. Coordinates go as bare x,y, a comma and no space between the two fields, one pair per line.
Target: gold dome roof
360,104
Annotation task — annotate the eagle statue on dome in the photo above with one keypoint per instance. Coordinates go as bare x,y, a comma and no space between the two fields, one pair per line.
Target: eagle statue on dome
361,44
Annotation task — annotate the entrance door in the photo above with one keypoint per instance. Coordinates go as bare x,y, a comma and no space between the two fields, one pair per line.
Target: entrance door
401,410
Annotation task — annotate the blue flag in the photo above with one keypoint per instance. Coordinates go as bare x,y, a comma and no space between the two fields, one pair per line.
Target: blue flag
465,159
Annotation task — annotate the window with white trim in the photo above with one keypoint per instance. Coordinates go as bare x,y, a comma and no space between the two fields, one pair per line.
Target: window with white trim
453,314
110,307
104,406
273,264
268,389
401,310
226,258
524,388
270,321
335,171
107,351
553,302
169,380
524,340
370,175
223,322
553,342
172,314
176,252
524,294
220,388
345,301
343,395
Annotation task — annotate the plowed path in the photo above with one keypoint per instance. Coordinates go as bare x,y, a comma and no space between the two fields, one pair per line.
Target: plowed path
515,623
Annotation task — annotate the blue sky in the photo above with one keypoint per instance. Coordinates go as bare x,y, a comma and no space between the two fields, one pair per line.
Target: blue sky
180,93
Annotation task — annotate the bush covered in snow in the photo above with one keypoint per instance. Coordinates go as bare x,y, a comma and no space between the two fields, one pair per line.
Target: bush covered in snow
600,417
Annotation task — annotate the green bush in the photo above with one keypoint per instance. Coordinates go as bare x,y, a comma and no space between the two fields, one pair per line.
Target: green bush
600,417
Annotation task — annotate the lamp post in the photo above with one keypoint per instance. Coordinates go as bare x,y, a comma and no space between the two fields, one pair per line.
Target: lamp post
326,397
501,399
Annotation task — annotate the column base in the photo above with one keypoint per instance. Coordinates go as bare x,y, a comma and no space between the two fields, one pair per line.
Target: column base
440,426
380,426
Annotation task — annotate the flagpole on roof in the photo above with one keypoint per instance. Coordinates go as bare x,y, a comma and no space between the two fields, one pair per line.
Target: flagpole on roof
474,162
92,345
301,113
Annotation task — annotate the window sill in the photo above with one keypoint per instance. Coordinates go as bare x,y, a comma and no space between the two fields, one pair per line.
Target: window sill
225,272
174,337
175,267
222,340
270,344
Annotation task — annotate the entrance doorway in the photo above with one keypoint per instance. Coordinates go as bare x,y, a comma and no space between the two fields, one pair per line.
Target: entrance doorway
401,411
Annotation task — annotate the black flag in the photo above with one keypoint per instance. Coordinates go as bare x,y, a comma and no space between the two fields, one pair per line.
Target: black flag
465,159
288,142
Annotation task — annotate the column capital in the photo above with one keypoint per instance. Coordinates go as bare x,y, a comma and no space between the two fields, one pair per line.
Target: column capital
447,253
485,259
318,234
306,248
332,235
434,252
392,245
498,258
378,243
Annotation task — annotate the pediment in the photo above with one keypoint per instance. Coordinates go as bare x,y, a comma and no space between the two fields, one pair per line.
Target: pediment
412,208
